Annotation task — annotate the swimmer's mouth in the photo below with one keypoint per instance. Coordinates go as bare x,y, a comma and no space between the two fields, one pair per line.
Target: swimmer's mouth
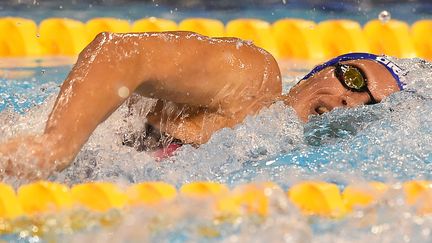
321,110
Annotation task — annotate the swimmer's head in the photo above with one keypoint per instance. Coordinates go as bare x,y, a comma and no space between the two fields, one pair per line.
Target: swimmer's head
345,81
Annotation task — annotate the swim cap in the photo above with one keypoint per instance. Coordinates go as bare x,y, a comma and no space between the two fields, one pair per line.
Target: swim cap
396,71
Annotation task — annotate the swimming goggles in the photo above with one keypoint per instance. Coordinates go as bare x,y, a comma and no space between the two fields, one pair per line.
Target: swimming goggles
351,74
353,78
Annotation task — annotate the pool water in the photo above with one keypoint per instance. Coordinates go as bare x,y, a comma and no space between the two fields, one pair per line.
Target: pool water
389,142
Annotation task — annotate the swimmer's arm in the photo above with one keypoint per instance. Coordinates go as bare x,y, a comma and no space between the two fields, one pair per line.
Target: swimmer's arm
178,67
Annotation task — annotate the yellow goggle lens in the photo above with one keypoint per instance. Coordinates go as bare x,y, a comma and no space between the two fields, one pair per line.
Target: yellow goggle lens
352,77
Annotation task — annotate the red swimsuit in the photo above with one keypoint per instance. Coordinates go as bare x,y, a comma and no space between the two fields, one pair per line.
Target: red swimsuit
153,141
165,152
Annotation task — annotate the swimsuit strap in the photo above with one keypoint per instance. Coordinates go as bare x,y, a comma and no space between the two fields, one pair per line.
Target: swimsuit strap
391,66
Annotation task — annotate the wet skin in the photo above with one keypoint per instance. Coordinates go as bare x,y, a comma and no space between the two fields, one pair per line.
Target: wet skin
202,85
323,92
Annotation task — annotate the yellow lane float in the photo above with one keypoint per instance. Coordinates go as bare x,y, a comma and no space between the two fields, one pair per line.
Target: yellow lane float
60,36
392,38
153,25
247,199
298,39
18,37
44,197
422,36
150,193
285,38
208,27
342,36
98,196
256,30
363,195
311,197
419,194
318,198
10,207
98,25
203,189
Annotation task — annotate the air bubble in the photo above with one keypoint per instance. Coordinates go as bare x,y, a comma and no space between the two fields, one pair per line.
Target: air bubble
384,16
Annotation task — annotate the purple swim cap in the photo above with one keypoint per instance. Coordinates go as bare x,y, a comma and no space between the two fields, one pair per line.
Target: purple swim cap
396,71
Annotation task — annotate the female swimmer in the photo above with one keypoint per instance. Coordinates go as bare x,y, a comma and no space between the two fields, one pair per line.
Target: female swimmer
214,82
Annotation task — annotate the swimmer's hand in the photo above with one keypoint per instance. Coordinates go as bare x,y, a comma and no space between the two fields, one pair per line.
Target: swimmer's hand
30,158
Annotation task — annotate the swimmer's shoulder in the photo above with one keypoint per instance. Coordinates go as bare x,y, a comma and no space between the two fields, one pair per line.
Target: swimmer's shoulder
263,66
247,51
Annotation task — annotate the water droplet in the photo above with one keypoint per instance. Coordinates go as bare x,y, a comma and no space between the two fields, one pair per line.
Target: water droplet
239,44
123,92
384,16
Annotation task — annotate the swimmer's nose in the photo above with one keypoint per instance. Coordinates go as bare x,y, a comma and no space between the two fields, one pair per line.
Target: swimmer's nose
349,100
353,99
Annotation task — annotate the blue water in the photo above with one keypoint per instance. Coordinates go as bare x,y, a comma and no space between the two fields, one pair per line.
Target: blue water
378,142
389,142
21,94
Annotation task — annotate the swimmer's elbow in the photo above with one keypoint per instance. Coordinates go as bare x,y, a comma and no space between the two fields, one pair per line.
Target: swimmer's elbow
101,41
103,37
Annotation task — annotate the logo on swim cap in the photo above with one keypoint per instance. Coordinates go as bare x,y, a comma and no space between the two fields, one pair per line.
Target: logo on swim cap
391,65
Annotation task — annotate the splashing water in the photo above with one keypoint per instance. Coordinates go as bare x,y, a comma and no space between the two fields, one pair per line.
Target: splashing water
273,145
390,141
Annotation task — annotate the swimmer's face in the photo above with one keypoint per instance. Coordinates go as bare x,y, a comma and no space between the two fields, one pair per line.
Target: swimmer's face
323,91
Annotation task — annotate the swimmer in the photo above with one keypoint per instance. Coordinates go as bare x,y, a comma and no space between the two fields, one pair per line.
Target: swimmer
208,84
